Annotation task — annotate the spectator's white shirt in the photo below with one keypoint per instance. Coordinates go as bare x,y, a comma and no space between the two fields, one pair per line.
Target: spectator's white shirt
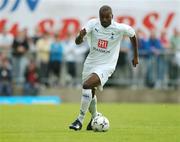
69,50
80,52
6,39
104,43
73,52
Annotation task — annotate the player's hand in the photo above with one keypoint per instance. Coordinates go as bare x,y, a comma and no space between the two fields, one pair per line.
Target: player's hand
135,61
82,33
80,37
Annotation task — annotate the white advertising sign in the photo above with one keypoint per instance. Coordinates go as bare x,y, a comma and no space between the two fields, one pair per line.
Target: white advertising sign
70,15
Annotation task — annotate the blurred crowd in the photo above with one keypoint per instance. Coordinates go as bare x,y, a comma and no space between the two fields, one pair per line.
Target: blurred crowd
28,63
45,60
159,61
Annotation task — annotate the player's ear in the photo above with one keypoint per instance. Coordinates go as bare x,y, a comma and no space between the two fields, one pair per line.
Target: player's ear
112,16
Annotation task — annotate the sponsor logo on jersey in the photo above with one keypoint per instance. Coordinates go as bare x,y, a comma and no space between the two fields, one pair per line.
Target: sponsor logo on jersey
101,50
102,43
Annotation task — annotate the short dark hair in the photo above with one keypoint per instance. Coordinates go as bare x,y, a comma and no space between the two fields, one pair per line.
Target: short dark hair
105,8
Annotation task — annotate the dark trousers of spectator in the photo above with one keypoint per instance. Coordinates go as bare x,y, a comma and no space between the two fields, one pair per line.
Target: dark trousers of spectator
19,64
44,72
6,89
71,69
30,89
55,68
174,74
150,74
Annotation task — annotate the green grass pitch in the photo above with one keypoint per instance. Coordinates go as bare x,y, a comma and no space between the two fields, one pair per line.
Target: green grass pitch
128,123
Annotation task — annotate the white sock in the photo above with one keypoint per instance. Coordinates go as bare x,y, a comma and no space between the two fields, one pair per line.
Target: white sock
93,107
85,102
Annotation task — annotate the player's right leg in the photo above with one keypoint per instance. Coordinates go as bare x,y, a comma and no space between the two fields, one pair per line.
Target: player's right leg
76,125
92,82
85,102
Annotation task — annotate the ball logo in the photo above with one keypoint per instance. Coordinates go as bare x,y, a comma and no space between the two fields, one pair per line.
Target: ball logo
102,43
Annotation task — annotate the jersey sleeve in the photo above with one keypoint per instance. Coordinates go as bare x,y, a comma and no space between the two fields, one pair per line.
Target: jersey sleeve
89,26
127,30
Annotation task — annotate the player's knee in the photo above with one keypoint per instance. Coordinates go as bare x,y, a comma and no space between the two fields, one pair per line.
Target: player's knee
86,86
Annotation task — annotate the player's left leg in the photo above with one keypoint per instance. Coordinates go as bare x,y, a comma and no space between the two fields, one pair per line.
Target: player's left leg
92,108
93,104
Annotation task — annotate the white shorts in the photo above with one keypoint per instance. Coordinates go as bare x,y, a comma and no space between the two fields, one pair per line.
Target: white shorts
103,73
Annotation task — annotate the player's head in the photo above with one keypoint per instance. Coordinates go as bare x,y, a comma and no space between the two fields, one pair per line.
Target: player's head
105,15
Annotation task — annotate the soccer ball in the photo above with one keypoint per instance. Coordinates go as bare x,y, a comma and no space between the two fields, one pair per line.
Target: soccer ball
100,124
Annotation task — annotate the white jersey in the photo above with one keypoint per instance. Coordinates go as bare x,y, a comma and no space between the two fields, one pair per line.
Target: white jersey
104,43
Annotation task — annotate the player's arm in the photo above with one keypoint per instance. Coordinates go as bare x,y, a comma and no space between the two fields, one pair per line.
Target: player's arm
134,43
129,31
79,38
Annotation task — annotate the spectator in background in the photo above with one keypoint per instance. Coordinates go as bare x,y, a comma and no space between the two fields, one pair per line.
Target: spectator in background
5,78
144,59
56,58
33,42
123,68
157,65
37,35
81,53
31,85
164,40
19,49
175,40
174,67
70,59
32,49
175,43
43,48
6,41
